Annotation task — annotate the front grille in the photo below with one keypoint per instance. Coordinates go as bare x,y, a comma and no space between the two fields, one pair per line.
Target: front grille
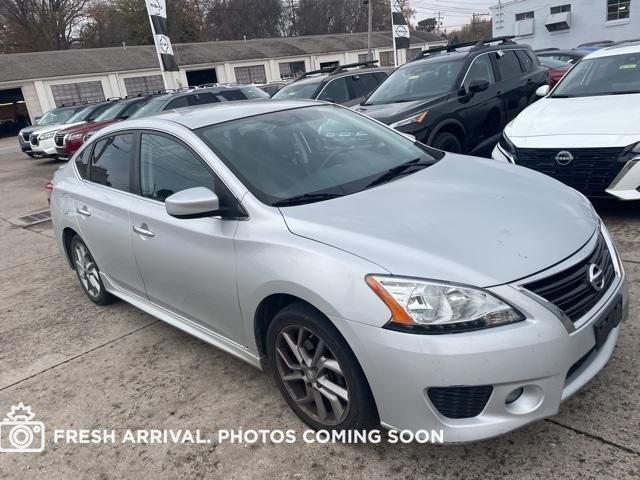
460,402
33,138
59,139
25,136
591,171
570,290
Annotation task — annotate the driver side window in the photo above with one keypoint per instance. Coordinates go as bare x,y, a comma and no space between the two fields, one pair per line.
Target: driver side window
480,70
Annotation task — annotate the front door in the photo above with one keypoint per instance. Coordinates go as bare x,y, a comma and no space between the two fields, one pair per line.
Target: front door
188,265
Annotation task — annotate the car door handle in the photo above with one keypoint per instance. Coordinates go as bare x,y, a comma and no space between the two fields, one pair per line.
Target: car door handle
143,230
84,211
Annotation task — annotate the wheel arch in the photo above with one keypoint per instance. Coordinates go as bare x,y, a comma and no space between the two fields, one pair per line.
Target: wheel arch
450,125
67,235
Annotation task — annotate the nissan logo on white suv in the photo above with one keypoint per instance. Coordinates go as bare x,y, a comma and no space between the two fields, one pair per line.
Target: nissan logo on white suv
564,158
596,277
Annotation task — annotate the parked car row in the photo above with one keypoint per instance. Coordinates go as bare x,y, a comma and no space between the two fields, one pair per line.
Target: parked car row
61,131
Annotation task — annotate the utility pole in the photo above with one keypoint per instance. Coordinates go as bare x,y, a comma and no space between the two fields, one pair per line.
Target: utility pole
369,4
438,24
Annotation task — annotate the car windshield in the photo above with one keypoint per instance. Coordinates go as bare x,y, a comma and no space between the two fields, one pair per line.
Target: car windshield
552,62
151,108
296,90
254,92
313,153
611,75
418,80
81,115
114,111
58,116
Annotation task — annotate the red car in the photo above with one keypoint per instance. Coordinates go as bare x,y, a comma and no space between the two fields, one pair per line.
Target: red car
557,69
70,139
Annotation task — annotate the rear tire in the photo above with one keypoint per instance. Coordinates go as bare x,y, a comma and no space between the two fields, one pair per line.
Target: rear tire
88,273
317,373
448,142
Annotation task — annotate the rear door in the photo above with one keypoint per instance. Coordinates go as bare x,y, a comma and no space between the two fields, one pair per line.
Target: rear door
101,207
188,265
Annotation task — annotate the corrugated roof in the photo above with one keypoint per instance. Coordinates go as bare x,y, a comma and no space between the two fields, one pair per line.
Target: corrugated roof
61,63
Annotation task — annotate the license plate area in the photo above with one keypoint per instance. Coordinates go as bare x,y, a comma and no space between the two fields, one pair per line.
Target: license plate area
607,322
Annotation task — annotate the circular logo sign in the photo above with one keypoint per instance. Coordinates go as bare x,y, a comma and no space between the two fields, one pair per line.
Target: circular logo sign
564,158
596,277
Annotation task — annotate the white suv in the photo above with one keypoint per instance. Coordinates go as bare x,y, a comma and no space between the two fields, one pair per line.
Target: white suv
586,131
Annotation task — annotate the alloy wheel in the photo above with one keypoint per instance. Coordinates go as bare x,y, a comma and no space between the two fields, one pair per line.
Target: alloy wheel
312,375
88,272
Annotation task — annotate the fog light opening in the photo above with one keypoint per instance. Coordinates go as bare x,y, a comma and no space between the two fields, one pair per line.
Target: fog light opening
513,396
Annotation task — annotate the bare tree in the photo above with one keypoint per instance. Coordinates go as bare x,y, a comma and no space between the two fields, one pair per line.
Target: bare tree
41,24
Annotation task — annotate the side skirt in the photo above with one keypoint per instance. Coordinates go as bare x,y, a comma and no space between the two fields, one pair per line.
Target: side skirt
184,324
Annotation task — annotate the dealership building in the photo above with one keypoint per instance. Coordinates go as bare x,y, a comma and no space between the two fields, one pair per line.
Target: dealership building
32,83
566,24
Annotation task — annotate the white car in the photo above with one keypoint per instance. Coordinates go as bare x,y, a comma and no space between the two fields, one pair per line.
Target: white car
586,131
42,141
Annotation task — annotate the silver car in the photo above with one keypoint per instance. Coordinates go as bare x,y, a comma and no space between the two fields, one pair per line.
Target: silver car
381,280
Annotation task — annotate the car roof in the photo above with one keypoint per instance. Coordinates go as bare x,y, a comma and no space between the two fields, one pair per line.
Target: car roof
214,113
319,77
621,48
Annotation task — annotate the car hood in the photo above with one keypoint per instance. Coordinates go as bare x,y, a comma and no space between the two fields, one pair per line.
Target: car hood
464,219
30,129
392,112
58,126
87,126
587,116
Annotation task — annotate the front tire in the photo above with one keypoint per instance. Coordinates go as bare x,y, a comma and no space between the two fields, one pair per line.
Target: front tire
448,142
317,373
88,273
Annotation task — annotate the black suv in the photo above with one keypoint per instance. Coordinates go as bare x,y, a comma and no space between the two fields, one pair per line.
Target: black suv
344,84
459,97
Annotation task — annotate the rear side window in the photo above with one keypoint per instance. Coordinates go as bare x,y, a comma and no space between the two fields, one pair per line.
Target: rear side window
363,84
525,60
178,103
336,91
82,159
111,161
508,64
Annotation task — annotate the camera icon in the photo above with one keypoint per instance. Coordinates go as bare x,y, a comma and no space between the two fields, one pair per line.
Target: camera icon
18,433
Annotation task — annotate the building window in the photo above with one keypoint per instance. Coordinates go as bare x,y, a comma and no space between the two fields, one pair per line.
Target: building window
524,16
363,57
386,59
291,69
560,9
412,53
148,84
83,92
250,74
618,9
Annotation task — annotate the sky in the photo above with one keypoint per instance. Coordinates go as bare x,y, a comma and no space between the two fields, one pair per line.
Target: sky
454,13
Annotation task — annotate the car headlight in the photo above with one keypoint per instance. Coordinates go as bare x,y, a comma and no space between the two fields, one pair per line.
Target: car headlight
47,135
74,136
632,152
507,146
418,118
427,306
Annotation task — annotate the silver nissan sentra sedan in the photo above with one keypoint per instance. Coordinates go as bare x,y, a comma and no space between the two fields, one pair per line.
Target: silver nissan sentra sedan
381,280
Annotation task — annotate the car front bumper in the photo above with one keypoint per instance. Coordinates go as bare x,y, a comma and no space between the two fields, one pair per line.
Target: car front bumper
45,147
625,186
549,360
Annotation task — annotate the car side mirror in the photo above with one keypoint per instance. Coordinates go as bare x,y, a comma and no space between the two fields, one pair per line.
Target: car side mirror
543,91
194,202
477,86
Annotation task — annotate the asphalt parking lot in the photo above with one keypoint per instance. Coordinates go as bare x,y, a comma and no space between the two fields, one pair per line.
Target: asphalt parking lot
82,366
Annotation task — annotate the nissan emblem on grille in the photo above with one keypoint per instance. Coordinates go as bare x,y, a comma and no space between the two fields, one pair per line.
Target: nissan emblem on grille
564,158
596,277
